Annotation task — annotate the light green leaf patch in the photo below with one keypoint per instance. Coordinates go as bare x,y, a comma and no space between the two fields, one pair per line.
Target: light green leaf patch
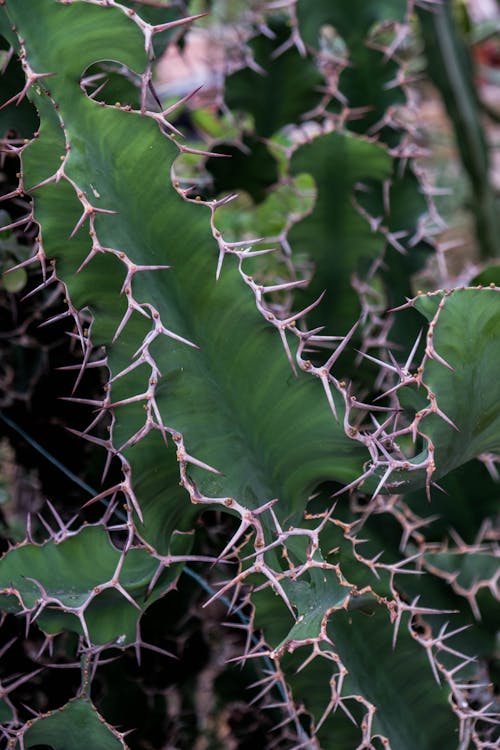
467,337
68,577
75,726
337,238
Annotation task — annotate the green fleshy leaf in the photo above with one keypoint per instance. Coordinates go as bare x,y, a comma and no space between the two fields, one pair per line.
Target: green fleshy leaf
69,574
388,678
288,90
468,571
364,82
467,337
343,241
72,727
262,452
314,599
242,218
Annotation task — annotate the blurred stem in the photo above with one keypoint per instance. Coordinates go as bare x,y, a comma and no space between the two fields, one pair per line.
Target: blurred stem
450,68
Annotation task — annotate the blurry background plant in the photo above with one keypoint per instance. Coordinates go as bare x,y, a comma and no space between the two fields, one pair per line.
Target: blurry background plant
362,143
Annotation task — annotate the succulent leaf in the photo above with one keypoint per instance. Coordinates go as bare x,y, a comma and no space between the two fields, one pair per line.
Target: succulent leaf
75,725
77,583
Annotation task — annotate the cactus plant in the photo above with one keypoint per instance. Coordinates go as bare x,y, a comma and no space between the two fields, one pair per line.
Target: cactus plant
281,385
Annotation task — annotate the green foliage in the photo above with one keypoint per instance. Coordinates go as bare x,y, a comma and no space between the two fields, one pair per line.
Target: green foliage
472,357
344,242
368,80
241,425
77,724
94,591
277,90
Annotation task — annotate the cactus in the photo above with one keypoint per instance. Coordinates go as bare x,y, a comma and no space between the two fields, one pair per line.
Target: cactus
279,423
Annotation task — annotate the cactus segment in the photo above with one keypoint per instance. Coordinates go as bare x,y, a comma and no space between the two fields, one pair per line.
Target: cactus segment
75,725
457,412
82,583
333,662
367,53
279,87
345,245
